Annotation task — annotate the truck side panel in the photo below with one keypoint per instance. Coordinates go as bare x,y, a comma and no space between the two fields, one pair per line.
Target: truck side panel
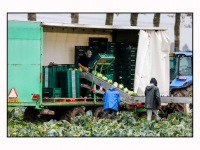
24,60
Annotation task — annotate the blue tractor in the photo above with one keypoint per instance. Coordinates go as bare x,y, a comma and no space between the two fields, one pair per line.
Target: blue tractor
181,81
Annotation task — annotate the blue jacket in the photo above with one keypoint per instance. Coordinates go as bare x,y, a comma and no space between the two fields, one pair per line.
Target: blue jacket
85,61
111,99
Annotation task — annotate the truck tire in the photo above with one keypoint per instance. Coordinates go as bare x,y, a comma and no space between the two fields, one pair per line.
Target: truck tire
98,113
173,107
131,107
68,114
30,114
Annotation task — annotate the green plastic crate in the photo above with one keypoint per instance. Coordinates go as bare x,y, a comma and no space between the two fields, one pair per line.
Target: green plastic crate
127,73
109,76
99,56
128,55
132,50
51,92
57,95
111,45
57,90
126,59
124,63
73,66
69,83
111,72
122,45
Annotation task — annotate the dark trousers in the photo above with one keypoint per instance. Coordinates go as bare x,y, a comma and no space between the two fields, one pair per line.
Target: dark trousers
108,111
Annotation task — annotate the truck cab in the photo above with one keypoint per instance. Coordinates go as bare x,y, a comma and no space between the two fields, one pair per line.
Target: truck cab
180,69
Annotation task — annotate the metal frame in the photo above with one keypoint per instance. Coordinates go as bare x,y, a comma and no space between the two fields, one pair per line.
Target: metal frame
126,98
95,68
108,27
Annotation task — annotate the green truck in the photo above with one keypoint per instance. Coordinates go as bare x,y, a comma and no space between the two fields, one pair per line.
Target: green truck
32,45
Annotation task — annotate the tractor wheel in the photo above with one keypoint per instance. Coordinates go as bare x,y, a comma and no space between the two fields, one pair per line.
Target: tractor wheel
98,113
30,114
173,107
68,114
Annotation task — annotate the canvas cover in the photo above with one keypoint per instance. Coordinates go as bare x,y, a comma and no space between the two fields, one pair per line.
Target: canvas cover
152,61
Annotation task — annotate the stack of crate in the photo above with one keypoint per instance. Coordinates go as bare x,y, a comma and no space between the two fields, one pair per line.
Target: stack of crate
68,81
58,78
80,51
126,64
50,76
73,66
99,43
51,92
112,70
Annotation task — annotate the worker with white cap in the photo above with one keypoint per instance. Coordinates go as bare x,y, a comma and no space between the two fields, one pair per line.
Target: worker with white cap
111,100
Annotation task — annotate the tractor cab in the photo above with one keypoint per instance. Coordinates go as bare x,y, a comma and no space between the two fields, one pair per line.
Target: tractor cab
180,69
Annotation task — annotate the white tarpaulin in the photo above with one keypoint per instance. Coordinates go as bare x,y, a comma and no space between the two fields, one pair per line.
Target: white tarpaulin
152,61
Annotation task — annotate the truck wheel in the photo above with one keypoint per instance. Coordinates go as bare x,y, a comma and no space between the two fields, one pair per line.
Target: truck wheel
30,114
131,107
98,113
58,112
173,107
68,114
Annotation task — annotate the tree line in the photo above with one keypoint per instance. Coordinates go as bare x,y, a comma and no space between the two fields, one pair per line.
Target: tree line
133,22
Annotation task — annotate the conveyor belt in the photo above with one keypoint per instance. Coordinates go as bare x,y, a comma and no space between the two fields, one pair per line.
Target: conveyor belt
88,87
126,98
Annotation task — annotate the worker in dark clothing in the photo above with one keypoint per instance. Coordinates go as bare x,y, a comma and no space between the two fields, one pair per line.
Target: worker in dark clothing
152,99
111,100
83,63
85,60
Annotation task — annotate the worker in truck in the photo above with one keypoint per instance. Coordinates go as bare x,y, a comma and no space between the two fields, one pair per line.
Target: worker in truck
83,63
111,100
85,60
152,99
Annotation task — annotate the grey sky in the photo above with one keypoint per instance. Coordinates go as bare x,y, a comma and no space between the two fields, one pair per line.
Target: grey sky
121,19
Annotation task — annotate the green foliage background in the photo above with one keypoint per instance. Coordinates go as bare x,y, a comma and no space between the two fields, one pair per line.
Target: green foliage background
128,125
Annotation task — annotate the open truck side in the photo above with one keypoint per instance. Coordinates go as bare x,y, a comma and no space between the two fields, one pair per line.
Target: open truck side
32,45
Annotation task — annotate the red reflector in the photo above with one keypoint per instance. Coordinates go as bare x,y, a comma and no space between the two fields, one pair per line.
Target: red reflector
40,77
139,105
182,79
91,89
70,100
33,96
